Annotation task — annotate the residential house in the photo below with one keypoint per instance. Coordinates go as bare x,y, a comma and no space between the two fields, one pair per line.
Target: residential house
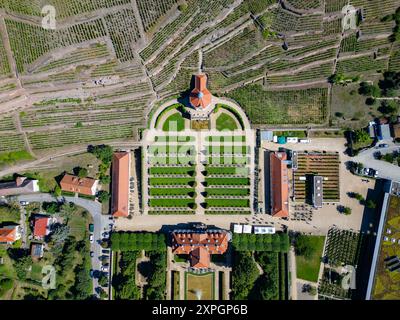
41,226
21,185
10,234
86,186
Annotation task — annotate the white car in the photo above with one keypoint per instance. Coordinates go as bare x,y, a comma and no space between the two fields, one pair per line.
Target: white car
24,203
91,238
104,268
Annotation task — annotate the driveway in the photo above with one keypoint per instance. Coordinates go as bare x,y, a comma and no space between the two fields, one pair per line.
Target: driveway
100,222
385,169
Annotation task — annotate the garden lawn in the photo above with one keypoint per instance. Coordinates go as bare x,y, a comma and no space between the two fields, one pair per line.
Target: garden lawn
227,191
171,202
227,181
308,267
174,122
170,181
225,121
228,202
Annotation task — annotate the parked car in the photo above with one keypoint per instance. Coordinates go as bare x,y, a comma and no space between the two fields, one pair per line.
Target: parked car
91,254
91,227
23,203
105,235
105,251
91,273
104,268
91,238
383,145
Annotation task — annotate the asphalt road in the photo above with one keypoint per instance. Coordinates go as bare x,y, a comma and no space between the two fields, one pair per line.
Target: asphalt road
100,222
385,170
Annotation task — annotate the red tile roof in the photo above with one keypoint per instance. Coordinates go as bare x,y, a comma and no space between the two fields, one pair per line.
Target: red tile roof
72,183
200,258
200,95
120,184
8,234
199,246
40,226
279,184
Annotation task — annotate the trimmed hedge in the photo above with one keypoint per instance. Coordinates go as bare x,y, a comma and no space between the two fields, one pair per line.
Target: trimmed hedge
278,242
128,241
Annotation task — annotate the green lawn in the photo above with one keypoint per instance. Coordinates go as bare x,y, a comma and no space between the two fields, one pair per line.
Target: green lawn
227,181
8,214
170,202
225,121
170,181
170,191
174,122
228,202
13,157
308,267
227,170
228,191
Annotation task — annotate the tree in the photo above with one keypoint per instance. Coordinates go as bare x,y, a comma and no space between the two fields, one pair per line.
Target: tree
5,285
182,7
303,246
370,204
388,107
362,137
105,179
244,275
103,281
103,196
368,89
103,294
102,152
347,211
57,191
81,172
59,233
51,207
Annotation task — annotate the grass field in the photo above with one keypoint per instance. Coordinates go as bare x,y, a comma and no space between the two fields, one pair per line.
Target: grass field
199,287
174,122
225,121
308,267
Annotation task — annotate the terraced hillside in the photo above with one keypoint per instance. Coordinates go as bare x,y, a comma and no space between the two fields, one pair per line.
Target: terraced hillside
108,62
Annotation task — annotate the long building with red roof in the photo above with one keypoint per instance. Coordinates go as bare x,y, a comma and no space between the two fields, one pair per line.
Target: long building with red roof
279,184
200,97
199,245
120,184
